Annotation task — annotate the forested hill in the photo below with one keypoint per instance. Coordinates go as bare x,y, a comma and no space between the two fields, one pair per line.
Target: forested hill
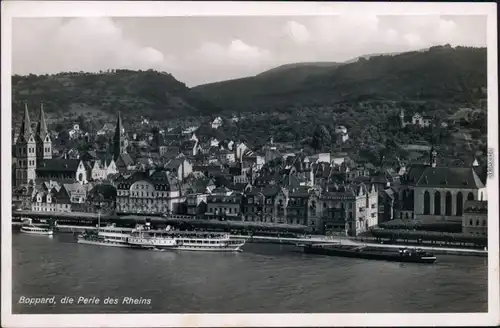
443,74
157,95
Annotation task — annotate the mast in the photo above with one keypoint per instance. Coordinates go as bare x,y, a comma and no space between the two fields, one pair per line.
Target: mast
99,203
98,219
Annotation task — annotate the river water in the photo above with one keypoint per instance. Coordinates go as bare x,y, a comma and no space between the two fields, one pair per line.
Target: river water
263,278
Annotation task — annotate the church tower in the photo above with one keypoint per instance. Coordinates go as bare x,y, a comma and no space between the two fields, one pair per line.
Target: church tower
42,138
433,157
120,141
25,152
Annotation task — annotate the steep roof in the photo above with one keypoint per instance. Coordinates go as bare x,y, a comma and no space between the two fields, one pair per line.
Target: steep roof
25,131
119,131
174,163
58,165
75,188
162,180
106,190
41,129
124,159
449,177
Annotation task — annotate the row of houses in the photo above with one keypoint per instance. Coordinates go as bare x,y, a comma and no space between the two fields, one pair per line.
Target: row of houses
158,192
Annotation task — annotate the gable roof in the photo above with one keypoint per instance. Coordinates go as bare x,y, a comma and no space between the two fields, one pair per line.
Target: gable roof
58,165
174,163
124,159
449,177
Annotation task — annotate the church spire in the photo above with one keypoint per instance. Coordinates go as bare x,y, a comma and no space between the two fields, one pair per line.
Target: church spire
120,141
25,131
119,127
41,129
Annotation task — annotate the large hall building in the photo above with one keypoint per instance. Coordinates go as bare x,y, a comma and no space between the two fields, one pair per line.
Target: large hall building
433,192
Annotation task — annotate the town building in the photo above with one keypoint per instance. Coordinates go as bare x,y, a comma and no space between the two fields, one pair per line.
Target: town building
416,119
433,192
341,132
22,197
62,171
107,129
216,123
180,167
196,205
75,132
56,199
349,209
224,206
475,218
241,150
148,192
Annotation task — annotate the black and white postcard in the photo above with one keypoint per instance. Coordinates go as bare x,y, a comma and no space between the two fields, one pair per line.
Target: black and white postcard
180,164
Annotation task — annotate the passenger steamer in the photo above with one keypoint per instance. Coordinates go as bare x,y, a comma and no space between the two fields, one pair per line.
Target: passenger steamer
185,240
30,228
108,236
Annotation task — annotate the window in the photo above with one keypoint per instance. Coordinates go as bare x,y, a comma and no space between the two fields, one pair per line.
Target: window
427,203
447,210
437,203
460,204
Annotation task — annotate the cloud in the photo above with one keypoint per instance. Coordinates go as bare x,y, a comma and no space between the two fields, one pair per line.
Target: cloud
345,28
85,44
391,36
297,32
204,49
236,52
413,40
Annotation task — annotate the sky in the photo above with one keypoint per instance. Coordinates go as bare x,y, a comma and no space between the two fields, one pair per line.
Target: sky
198,50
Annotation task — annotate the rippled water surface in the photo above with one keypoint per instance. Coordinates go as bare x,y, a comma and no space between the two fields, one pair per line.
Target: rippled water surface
263,278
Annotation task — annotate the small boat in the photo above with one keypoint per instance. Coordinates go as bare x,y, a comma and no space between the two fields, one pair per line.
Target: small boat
31,229
372,253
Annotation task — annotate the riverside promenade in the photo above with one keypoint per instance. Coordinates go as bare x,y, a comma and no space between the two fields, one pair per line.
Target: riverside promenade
311,239
337,240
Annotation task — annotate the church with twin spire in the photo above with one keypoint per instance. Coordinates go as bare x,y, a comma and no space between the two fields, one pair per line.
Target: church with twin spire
31,148
33,154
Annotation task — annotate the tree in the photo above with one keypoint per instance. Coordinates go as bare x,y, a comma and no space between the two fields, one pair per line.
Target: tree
83,123
321,138
101,140
59,127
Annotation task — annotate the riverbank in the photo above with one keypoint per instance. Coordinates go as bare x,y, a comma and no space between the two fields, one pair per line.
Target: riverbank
308,239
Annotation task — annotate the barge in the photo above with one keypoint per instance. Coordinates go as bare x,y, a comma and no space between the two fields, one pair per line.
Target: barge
372,253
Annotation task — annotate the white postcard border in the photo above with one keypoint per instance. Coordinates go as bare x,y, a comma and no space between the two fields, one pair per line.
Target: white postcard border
12,9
